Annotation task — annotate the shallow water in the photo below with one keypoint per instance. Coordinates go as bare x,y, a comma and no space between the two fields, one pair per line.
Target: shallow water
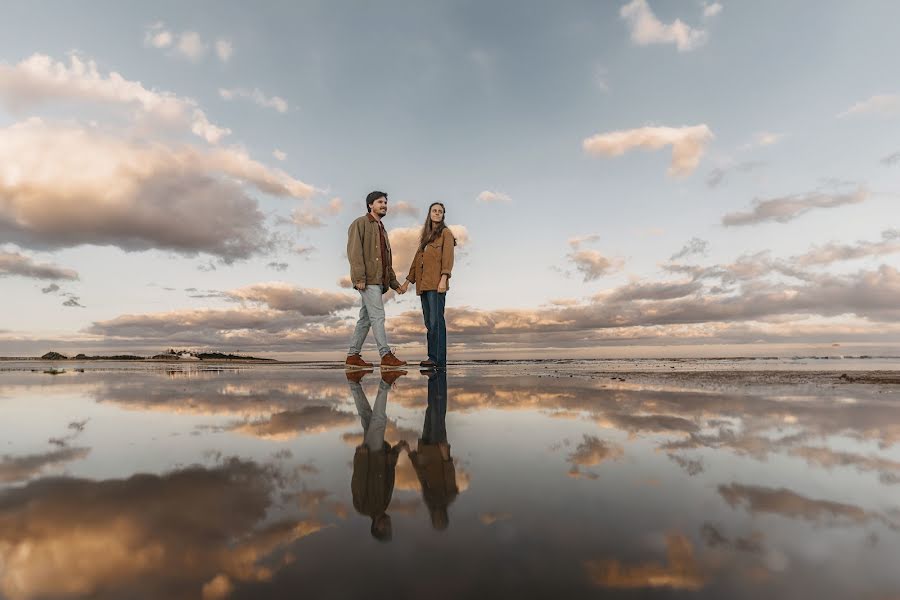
265,482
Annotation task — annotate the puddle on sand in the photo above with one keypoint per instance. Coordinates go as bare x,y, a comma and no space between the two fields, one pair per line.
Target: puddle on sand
271,482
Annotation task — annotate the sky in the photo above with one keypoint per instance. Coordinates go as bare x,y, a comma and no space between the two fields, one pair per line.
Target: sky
625,178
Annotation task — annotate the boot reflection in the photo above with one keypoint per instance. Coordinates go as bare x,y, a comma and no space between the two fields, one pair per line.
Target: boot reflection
431,459
374,461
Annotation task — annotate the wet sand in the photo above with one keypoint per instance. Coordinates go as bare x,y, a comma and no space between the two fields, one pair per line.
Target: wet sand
572,479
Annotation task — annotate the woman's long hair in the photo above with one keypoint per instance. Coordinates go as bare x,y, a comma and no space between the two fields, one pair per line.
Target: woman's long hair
430,231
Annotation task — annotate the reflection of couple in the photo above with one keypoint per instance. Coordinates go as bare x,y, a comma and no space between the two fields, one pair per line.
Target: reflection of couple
372,273
375,461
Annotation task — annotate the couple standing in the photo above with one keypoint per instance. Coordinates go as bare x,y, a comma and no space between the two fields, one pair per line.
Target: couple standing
372,274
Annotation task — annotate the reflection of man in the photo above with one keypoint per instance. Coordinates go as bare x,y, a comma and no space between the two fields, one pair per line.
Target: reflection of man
374,461
431,459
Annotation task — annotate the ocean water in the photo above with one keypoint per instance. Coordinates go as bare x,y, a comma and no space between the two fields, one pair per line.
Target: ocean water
136,480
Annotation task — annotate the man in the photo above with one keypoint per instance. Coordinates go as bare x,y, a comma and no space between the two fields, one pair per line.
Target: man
372,273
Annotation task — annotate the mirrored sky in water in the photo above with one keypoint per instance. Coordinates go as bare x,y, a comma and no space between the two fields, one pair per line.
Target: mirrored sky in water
272,482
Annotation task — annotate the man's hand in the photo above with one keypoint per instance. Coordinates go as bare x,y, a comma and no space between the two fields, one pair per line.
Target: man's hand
361,286
442,285
402,289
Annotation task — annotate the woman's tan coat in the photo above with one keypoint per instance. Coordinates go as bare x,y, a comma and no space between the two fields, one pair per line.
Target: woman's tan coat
428,265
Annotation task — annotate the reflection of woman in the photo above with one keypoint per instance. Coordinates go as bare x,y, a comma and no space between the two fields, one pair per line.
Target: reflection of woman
374,461
431,459
430,271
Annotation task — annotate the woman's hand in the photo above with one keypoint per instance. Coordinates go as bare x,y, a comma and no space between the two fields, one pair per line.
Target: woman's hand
442,286
404,287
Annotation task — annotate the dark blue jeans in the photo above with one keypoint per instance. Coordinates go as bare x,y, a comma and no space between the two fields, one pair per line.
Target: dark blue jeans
433,311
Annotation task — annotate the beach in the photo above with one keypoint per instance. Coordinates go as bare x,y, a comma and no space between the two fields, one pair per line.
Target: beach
559,477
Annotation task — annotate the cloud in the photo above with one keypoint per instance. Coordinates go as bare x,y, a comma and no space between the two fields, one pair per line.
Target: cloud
279,155
278,266
403,208
885,105
257,97
688,144
285,297
787,208
309,215
834,252
693,246
191,46
489,197
158,36
39,80
13,263
68,186
73,302
658,290
150,535
50,289
681,573
21,468
647,29
592,264
711,9
576,241
224,49
717,175
767,138
891,159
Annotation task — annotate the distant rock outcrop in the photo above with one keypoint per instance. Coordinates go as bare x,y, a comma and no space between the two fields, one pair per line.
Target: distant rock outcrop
54,356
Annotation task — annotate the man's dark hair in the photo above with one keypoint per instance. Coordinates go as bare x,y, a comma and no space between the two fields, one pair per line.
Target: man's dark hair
372,197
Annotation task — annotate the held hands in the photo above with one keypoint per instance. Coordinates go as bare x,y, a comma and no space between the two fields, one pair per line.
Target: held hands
402,289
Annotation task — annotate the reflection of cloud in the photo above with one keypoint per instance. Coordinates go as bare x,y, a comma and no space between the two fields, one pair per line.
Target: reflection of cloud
489,518
20,468
289,424
889,470
681,573
784,502
591,452
149,535
688,144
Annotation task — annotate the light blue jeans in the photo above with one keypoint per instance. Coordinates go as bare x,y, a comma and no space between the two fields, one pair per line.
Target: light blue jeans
374,421
371,315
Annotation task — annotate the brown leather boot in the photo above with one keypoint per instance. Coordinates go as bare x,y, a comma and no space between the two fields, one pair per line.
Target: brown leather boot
389,377
356,361
356,376
427,364
389,360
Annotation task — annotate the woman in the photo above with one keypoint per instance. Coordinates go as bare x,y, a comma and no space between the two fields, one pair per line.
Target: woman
430,271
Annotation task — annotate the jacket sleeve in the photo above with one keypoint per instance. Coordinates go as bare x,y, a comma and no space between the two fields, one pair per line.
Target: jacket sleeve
447,253
355,253
411,274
